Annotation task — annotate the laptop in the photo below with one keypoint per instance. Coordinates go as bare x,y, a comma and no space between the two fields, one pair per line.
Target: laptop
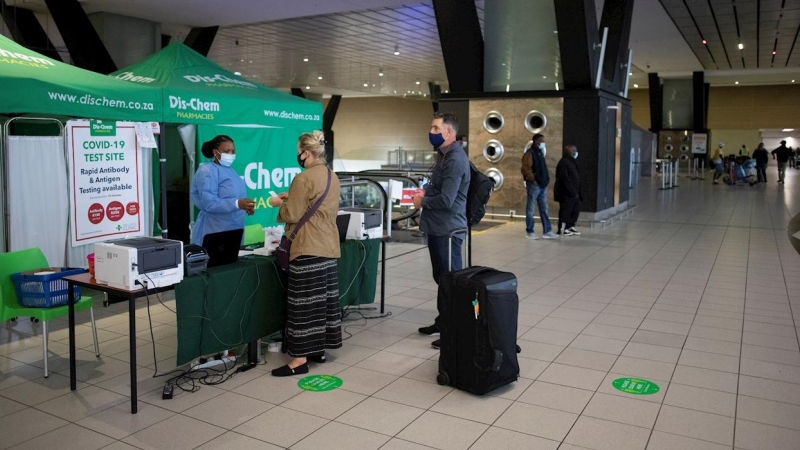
342,223
223,247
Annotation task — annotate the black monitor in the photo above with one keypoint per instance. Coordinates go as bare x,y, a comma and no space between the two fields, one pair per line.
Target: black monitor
223,247
342,223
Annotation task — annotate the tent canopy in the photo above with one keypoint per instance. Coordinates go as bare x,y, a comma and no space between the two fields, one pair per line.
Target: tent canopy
34,83
197,90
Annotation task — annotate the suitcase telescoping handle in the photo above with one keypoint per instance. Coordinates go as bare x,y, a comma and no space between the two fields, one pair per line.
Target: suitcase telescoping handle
450,237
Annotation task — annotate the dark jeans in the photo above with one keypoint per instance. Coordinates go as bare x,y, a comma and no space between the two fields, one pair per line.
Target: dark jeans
761,169
568,212
437,247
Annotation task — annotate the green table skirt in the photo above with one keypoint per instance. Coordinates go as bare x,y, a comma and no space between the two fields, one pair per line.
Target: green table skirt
239,303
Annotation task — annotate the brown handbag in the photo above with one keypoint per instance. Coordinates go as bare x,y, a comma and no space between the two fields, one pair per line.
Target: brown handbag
285,247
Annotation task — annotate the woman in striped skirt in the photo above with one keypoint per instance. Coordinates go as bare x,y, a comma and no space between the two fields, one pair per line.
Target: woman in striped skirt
313,315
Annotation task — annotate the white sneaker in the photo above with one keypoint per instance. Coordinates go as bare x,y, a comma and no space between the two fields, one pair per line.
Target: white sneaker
573,231
532,236
566,233
550,235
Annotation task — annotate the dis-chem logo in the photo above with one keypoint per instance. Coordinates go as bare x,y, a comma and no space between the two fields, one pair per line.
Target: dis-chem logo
21,59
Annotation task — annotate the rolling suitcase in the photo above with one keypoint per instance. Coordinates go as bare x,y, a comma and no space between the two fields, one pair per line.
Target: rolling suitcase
479,308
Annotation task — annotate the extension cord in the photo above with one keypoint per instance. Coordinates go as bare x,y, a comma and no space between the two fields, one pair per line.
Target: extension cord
227,360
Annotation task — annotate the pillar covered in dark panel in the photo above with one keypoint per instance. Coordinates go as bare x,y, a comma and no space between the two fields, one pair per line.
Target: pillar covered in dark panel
462,43
617,16
86,49
26,30
656,102
200,39
699,99
327,126
578,47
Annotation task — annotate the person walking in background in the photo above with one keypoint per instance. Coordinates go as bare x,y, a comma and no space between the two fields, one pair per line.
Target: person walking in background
782,154
534,172
567,192
717,160
762,159
744,151
444,203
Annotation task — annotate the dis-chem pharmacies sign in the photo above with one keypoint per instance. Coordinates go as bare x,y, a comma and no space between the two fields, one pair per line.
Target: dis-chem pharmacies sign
21,59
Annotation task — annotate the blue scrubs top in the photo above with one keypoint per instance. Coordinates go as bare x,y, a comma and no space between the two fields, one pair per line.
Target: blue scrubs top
215,189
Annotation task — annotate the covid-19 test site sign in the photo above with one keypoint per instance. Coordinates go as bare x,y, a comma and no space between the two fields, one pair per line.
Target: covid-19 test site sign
105,181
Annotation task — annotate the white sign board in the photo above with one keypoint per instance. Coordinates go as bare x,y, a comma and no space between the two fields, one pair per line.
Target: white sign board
699,143
105,181
144,135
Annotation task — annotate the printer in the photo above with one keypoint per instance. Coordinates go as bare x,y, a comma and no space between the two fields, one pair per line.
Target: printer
365,223
133,263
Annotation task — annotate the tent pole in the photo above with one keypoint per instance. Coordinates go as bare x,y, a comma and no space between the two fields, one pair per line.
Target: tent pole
162,158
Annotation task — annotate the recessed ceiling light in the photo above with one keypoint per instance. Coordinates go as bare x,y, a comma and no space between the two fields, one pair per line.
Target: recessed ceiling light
735,82
418,82
741,46
241,60
544,76
308,87
630,73
446,91
705,42
380,74
774,53
396,49
787,130
237,73
555,31
792,81
366,84
319,77
636,86
508,87
305,59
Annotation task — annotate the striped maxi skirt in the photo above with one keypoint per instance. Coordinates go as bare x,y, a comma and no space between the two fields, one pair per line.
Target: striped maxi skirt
313,314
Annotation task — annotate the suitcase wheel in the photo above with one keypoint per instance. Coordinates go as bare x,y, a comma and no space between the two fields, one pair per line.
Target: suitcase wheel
519,349
442,379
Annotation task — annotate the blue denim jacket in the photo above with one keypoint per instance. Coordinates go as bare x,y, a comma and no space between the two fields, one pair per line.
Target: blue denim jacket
444,207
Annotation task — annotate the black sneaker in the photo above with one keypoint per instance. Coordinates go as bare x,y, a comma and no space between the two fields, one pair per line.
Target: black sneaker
436,344
432,330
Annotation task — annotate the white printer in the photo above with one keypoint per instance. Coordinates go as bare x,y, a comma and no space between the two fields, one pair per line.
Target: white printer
365,223
133,263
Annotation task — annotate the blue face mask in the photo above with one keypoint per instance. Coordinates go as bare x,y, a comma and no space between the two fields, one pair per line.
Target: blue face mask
226,159
575,155
436,140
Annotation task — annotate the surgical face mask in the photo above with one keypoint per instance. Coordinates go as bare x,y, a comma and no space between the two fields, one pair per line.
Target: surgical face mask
301,161
543,148
436,140
226,159
575,155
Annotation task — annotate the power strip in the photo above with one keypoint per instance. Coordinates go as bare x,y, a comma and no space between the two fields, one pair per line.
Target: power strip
229,361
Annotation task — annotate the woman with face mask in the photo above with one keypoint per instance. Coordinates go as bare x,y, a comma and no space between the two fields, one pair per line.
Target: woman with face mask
313,315
218,191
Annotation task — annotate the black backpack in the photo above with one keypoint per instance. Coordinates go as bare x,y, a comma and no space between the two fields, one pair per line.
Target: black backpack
480,189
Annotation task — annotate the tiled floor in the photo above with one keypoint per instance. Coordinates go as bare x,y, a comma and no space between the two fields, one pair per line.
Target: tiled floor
698,292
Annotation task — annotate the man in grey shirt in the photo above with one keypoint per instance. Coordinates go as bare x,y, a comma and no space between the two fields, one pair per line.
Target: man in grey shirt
444,202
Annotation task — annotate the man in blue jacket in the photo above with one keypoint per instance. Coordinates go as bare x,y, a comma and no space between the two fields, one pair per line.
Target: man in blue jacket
444,202
534,172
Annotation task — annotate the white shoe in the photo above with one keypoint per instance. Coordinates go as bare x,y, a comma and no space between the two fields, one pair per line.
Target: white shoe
532,236
566,233
573,231
550,235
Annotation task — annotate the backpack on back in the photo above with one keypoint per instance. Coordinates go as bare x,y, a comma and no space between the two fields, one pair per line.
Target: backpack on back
478,193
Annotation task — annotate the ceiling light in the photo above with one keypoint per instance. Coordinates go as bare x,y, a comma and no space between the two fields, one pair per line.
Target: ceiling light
396,50
544,76
792,81
556,85
241,60
735,82
774,53
446,91
741,46
508,87
705,42
395,91
237,73
418,82
305,59
636,86
319,77
366,84
308,87
630,73
380,72
786,130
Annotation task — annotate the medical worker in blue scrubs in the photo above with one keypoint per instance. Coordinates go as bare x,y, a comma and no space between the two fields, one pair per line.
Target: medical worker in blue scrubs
218,191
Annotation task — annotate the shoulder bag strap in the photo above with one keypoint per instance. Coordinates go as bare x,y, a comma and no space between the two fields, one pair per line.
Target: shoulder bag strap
311,210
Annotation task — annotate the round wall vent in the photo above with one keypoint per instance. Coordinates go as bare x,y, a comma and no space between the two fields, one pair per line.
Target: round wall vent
668,138
535,121
685,138
669,148
684,148
684,157
497,176
493,151
493,122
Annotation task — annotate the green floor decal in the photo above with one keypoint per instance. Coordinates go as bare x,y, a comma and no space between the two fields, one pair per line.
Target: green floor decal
635,386
319,383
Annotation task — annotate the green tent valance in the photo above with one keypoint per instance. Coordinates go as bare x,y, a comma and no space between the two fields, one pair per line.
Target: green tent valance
197,90
34,83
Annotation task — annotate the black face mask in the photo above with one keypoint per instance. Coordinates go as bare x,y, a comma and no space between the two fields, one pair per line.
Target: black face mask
301,161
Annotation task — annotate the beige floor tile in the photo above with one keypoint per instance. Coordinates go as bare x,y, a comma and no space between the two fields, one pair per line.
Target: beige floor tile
586,359
380,416
768,412
599,344
774,355
539,351
82,403
9,406
39,390
119,423
577,377
623,410
657,338
399,444
282,427
761,369
67,438
418,348
228,410
666,441
181,401
176,433
713,346
119,445
604,435
650,370
350,354
719,334
555,396
757,436
338,436
551,337
373,339
391,363
651,352
368,382
609,331
662,326
711,361
695,424
513,390
769,389
617,320
554,323
26,424
396,327
767,340
418,394
328,405
235,441
700,399
98,370
498,438
485,409
705,378
537,421
426,371
267,388
443,432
